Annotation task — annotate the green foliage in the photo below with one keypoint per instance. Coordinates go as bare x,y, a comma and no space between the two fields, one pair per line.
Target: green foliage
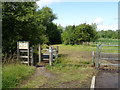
68,35
22,21
109,34
78,34
13,74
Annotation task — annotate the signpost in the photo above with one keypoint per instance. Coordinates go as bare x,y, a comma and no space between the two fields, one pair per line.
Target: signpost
23,47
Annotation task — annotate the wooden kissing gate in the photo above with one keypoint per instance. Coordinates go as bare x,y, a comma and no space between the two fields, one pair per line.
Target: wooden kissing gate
51,55
25,53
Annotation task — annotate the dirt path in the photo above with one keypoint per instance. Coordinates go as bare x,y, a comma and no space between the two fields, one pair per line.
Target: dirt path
40,71
107,79
52,80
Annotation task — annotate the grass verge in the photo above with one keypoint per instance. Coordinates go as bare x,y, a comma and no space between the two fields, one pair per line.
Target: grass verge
13,74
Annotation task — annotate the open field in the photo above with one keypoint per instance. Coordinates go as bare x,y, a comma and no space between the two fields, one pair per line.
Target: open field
71,70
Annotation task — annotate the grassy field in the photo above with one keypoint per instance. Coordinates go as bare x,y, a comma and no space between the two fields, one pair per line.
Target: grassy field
14,74
108,41
71,70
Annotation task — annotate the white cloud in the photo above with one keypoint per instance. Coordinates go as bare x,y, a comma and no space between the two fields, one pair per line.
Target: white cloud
98,20
102,26
43,3
107,27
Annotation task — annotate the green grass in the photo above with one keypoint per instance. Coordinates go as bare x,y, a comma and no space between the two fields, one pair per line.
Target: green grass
110,49
14,74
69,73
72,68
38,81
77,47
74,64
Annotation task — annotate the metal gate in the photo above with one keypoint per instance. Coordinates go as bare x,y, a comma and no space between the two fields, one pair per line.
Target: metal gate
106,55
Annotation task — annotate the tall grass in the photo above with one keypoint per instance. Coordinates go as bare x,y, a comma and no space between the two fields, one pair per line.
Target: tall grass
13,74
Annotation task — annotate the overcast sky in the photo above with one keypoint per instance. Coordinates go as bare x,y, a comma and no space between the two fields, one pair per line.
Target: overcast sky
105,14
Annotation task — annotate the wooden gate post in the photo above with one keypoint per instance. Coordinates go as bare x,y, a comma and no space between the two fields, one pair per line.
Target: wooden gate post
28,52
51,55
31,55
18,54
57,48
98,54
93,57
40,54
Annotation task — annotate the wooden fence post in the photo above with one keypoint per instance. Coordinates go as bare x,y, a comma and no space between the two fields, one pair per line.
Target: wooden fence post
93,57
31,55
97,61
28,52
18,51
57,50
40,54
51,55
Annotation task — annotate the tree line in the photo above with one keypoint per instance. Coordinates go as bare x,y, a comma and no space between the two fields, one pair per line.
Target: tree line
109,34
79,34
23,21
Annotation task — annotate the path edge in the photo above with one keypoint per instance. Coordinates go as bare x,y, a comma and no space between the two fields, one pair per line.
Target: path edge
92,83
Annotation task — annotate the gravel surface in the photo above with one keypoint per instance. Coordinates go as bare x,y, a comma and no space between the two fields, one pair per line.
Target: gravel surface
107,79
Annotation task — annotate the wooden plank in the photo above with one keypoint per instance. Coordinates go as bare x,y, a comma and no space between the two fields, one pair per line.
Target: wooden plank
45,54
23,50
25,62
45,59
45,49
23,56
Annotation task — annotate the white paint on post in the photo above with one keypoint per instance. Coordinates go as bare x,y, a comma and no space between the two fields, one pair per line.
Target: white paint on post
92,83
